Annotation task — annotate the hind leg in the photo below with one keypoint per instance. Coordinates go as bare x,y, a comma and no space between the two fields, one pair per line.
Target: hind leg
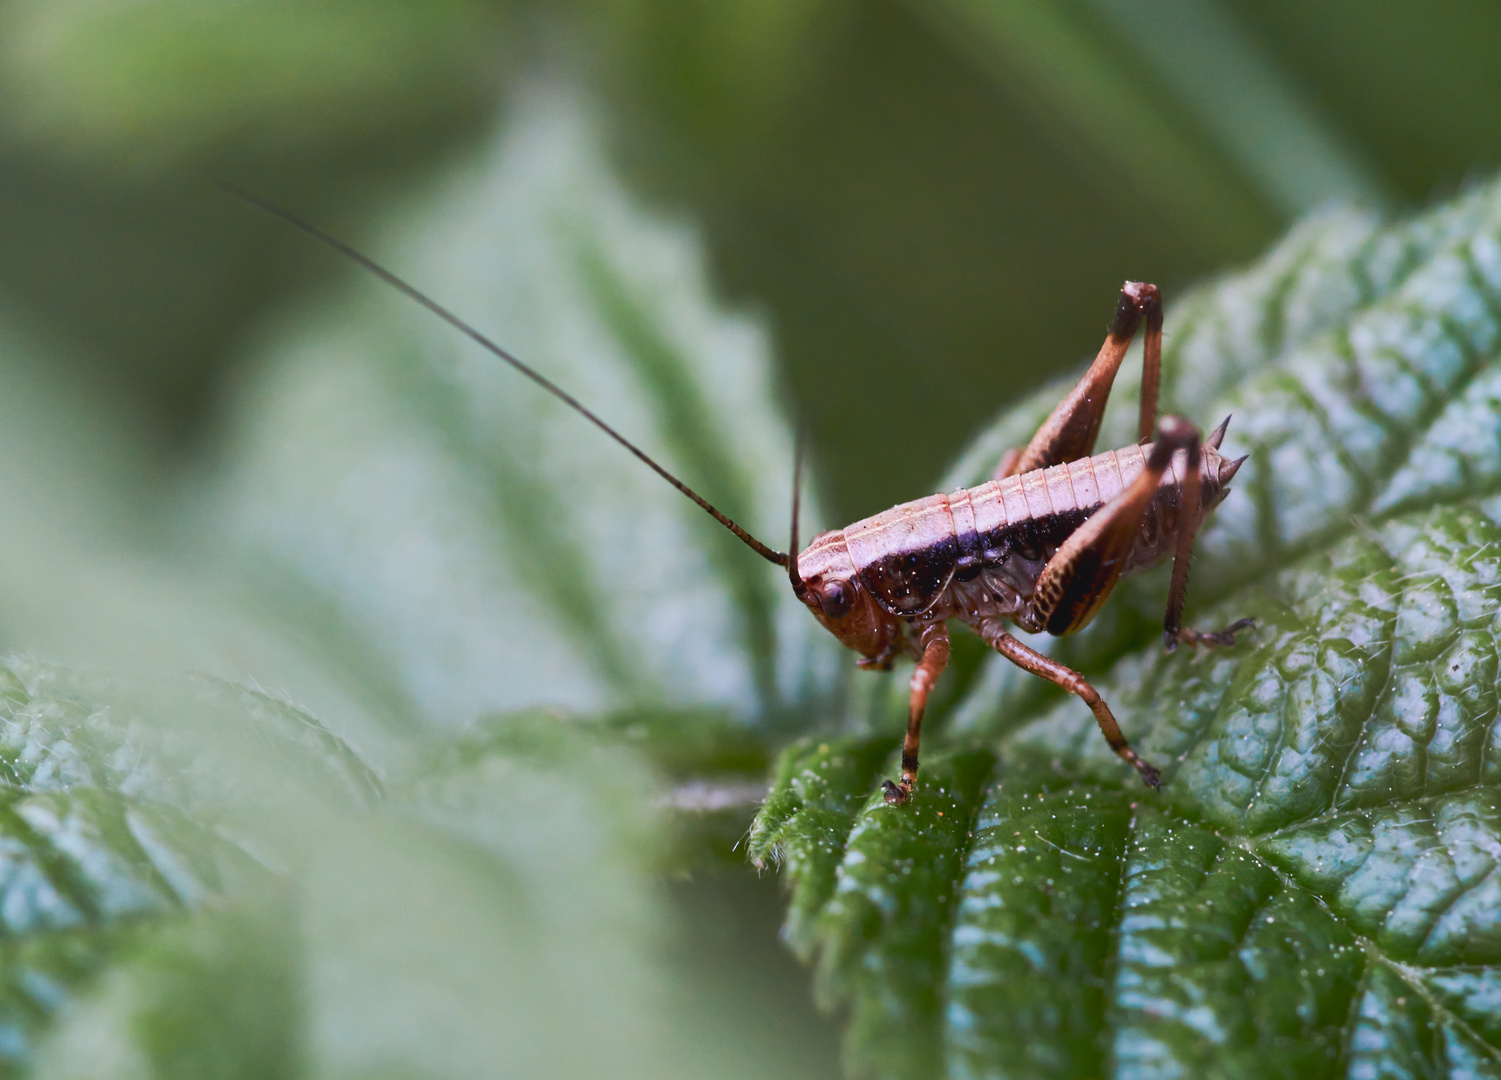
1070,433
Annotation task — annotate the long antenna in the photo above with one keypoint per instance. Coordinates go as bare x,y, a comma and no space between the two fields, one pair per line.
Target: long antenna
541,380
797,504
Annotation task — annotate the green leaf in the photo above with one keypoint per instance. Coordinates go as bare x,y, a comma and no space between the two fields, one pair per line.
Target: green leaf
479,546
212,996
200,880
1228,117
1313,892
1098,107
112,833
246,896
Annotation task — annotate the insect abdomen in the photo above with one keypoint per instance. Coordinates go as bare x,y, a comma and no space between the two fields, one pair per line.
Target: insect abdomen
1032,514
1008,529
908,556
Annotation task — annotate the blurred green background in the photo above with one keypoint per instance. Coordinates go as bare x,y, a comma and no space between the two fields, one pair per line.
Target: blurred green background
932,202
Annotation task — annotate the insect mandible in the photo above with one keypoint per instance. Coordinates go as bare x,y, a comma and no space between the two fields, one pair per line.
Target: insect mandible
1041,545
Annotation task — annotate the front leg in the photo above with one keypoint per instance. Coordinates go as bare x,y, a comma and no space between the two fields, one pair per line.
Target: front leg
935,657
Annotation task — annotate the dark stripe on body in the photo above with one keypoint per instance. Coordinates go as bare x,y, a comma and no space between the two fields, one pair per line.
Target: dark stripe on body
908,581
1032,540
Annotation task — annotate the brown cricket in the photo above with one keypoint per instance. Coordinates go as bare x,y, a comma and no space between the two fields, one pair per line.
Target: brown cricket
1040,545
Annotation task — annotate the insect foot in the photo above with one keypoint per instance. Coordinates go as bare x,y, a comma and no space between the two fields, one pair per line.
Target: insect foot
895,793
1149,773
1209,638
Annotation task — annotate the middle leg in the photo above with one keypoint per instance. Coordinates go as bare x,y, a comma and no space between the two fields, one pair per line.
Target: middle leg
1173,631
1070,680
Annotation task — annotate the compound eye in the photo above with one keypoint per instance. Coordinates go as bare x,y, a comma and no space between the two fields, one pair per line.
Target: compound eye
836,597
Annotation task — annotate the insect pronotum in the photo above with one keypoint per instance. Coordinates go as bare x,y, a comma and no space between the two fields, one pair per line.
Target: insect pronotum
1040,545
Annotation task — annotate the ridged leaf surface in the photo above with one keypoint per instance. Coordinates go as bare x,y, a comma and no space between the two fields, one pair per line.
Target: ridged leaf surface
1314,892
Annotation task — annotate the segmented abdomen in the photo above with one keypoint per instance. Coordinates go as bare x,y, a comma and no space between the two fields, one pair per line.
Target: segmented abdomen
1042,506
1005,530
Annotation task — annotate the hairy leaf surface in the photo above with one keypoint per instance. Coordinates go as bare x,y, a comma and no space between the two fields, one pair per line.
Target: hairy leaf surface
1314,892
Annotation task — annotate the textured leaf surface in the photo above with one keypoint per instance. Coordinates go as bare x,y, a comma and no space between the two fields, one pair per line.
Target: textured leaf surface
1314,892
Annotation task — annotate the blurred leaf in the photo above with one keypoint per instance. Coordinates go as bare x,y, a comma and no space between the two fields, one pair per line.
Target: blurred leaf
479,546
199,880
111,833
719,72
1312,894
1413,84
213,996
1174,96
497,911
